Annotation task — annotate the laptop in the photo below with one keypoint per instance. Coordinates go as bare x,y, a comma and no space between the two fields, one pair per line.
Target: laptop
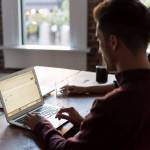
20,94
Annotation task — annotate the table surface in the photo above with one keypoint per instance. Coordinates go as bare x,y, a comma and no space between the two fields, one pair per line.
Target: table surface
15,138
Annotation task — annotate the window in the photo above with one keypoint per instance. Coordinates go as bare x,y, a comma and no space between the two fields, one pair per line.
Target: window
146,2
33,27
45,22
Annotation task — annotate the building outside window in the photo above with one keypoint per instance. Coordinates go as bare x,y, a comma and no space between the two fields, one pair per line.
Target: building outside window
45,22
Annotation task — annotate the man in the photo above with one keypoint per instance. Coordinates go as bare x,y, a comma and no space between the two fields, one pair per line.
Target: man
121,119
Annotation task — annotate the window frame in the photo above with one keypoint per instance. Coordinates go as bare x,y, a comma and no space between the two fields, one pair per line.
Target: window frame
12,25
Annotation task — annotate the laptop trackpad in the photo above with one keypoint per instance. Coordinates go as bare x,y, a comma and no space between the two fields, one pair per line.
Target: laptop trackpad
55,122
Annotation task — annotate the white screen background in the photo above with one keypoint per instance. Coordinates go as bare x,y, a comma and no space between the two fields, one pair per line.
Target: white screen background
19,92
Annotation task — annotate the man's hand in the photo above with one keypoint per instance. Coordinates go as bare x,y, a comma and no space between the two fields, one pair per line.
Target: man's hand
71,115
33,119
70,90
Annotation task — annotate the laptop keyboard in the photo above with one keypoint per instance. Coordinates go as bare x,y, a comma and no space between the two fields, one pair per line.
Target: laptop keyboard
21,120
45,111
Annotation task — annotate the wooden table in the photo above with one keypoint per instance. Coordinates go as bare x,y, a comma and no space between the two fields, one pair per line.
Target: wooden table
14,138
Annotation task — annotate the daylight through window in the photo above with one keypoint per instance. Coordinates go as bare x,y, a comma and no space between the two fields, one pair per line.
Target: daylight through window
46,22
146,2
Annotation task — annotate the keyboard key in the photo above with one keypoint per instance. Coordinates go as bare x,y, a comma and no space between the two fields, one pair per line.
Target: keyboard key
45,111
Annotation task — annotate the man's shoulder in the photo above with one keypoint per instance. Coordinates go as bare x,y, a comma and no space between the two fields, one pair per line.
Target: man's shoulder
115,97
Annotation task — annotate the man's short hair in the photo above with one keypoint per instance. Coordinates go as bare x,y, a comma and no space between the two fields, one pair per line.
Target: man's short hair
127,19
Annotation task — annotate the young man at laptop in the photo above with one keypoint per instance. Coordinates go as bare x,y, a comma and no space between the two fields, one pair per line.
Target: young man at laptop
121,119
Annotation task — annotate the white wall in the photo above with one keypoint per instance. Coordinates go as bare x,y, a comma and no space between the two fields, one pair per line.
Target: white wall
25,58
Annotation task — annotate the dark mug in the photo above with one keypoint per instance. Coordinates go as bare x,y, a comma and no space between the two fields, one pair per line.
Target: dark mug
101,74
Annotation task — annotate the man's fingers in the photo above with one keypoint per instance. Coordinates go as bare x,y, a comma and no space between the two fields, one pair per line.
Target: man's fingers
64,91
68,88
64,87
35,114
31,115
63,116
62,110
27,119
67,110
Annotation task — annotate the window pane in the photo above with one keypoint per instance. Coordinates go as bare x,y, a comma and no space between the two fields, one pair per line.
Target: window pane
146,2
46,22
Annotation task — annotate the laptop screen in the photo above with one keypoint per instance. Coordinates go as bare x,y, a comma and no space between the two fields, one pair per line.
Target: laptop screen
19,92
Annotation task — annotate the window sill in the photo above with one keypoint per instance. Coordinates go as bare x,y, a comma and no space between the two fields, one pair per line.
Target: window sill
45,48
54,56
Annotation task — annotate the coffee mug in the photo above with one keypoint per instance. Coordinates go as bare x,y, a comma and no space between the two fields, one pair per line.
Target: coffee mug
101,74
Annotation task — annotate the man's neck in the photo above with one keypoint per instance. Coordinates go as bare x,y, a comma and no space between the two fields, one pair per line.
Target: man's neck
131,62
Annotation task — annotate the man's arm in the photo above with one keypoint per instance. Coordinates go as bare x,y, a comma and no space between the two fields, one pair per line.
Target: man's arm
101,89
95,130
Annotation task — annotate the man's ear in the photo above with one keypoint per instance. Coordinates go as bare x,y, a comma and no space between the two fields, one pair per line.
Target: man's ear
113,40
